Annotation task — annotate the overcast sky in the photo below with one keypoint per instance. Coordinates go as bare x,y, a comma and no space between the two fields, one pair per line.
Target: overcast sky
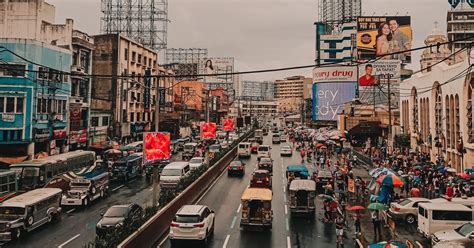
260,34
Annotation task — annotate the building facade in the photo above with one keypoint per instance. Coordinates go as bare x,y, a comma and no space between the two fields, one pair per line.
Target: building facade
34,103
437,113
258,90
460,25
335,46
122,107
292,91
257,107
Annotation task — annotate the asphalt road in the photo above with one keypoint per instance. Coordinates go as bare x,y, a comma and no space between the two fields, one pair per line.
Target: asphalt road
287,231
77,225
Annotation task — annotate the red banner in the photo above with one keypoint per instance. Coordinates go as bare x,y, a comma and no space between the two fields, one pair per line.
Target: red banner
229,125
157,146
208,130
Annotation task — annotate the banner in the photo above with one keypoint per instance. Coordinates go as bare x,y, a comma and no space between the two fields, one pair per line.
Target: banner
146,93
350,185
332,87
208,130
378,72
229,125
210,66
380,35
157,146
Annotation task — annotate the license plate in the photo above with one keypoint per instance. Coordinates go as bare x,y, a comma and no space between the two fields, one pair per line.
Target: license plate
259,181
70,201
235,169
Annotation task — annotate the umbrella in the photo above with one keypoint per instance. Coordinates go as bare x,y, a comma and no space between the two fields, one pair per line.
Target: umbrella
327,197
343,139
335,137
319,145
356,208
469,170
464,175
400,156
376,206
330,142
386,244
451,170
418,167
323,147
390,180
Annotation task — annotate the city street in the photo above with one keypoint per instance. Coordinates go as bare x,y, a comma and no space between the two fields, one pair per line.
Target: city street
224,198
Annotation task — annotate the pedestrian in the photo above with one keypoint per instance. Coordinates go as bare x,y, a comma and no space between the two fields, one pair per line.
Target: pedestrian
339,230
376,222
357,224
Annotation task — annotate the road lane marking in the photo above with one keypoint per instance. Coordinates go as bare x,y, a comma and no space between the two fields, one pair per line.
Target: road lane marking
233,222
284,189
71,210
284,198
131,181
163,241
286,209
288,242
238,209
287,224
68,241
226,241
117,188
212,185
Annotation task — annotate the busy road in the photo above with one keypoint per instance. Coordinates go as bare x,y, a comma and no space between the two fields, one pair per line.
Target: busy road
225,198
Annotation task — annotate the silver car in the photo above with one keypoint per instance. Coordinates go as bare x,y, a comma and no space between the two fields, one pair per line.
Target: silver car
196,162
463,233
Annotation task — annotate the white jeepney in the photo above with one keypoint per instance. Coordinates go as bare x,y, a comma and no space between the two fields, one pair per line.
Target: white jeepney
85,189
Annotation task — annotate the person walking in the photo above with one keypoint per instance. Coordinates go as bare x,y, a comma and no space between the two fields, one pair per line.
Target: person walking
358,229
339,230
376,222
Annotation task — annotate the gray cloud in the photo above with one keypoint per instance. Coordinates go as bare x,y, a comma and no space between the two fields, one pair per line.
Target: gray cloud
258,33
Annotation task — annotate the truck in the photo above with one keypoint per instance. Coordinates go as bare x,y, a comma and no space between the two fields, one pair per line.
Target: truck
87,188
259,136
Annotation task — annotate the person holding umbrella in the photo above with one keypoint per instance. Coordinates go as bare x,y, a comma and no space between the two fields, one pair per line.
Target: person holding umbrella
376,222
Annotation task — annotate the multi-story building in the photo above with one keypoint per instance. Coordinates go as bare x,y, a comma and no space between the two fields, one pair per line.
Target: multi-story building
250,107
79,104
293,90
436,107
188,100
258,90
460,25
335,46
122,107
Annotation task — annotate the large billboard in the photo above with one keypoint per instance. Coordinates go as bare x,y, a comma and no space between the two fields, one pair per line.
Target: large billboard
379,36
374,78
332,87
211,66
208,130
157,146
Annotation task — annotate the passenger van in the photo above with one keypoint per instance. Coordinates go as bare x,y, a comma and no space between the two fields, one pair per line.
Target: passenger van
244,150
263,151
172,174
28,211
276,138
434,217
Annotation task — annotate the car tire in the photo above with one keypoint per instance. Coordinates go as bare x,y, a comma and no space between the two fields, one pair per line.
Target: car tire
410,219
213,225
50,217
85,202
16,233
205,241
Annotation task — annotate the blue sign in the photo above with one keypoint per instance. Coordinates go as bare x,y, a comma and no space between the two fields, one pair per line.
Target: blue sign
329,99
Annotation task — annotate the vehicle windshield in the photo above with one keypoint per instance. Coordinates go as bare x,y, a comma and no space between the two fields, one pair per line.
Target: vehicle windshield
214,148
265,160
12,211
465,229
260,175
187,219
236,163
28,177
242,146
171,172
196,160
404,202
285,148
115,212
80,185
120,164
263,149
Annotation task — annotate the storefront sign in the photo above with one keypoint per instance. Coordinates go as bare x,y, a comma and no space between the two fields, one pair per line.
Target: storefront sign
137,127
78,136
8,117
58,117
60,134
42,134
75,114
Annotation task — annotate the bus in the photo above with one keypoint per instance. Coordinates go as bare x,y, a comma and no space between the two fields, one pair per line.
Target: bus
8,184
37,173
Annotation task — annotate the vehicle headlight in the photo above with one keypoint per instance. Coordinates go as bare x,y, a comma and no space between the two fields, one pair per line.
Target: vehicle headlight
99,225
8,225
118,225
244,215
63,196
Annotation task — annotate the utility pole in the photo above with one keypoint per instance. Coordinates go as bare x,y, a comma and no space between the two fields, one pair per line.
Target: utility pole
156,175
389,109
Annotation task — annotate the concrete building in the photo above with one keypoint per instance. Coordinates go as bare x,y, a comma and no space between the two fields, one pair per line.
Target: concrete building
332,46
436,112
258,90
460,25
33,104
293,90
188,100
258,107
122,107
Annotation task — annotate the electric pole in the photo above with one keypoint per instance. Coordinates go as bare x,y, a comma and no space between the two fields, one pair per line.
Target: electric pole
156,176
389,109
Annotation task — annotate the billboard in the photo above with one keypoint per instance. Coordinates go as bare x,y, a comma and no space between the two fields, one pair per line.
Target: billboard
229,125
373,80
208,130
157,146
210,66
332,87
381,35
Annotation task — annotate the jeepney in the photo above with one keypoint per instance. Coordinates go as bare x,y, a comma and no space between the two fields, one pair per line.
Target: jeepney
259,136
302,196
296,172
257,208
189,151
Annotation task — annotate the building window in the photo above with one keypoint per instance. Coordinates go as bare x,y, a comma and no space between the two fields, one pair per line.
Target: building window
332,45
133,56
139,60
415,110
132,117
10,108
125,54
19,104
85,60
144,60
2,104
95,121
138,96
332,55
12,70
124,115
138,116
105,121
438,111
448,122
469,125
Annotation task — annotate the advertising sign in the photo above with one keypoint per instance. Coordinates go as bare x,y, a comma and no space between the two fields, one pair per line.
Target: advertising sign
8,117
379,71
350,185
146,93
381,35
157,146
208,130
229,125
210,66
332,87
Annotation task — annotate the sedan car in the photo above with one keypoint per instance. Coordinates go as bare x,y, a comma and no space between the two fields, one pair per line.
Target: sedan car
261,179
265,163
196,162
192,222
115,217
462,233
286,150
236,168
406,210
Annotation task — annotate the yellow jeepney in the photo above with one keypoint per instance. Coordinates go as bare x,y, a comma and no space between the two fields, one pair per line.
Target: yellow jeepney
257,208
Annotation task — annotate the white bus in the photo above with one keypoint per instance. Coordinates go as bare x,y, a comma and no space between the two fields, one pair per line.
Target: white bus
434,217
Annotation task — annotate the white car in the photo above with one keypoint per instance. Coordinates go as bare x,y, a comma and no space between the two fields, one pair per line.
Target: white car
283,138
224,144
196,162
406,210
286,150
192,222
263,151
462,233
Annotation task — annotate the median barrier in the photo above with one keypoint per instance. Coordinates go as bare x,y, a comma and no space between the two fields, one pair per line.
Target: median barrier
158,225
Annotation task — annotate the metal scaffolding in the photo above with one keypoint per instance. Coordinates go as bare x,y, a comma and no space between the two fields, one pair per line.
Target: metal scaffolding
336,12
185,61
145,21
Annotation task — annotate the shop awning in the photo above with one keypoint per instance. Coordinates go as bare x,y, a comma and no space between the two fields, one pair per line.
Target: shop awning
12,160
367,128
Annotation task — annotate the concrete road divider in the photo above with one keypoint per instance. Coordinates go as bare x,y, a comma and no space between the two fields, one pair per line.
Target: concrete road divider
158,225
